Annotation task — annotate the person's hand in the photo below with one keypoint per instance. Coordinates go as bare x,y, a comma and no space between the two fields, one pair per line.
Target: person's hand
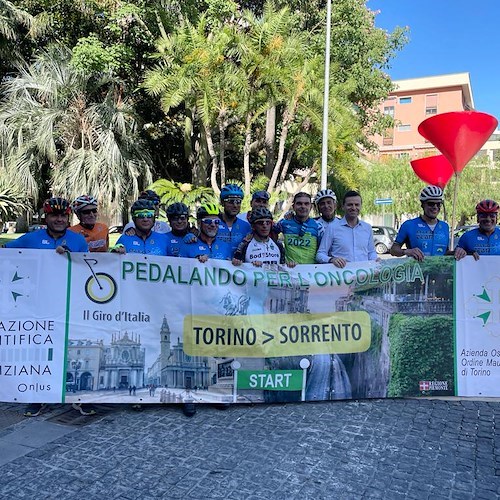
202,258
415,253
118,249
257,263
338,261
291,264
289,215
475,255
62,249
190,238
236,262
460,253
130,231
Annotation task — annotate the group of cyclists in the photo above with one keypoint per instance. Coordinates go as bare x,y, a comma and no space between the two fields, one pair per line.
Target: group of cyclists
222,232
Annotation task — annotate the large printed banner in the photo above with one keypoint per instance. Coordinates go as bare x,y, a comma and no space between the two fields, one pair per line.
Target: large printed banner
109,328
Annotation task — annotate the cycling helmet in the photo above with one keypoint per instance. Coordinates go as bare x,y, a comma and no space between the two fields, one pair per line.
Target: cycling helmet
207,209
82,202
487,207
261,195
141,204
259,214
177,209
431,193
149,194
324,193
56,205
231,191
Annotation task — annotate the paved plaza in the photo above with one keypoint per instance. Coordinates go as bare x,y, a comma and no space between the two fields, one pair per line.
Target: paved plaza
390,449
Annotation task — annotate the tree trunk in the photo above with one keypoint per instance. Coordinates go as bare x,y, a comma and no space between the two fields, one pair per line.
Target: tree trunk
270,140
222,150
213,159
288,117
246,154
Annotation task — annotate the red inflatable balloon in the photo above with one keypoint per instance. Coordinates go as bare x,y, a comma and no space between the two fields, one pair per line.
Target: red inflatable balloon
435,170
458,135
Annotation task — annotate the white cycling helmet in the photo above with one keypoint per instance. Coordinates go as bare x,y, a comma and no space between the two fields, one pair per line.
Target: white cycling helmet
324,193
431,193
82,202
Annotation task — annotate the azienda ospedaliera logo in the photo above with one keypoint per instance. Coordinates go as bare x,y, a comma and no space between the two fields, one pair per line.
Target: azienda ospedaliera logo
15,285
483,306
100,287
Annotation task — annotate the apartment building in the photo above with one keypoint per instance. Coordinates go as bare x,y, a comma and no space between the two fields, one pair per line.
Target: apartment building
413,101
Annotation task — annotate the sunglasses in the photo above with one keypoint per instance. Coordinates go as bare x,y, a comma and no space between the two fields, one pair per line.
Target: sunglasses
234,201
89,211
208,222
144,214
487,216
263,222
179,218
434,204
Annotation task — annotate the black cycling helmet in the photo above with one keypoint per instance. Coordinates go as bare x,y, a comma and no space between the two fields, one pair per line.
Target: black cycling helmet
177,209
56,205
149,194
259,214
141,204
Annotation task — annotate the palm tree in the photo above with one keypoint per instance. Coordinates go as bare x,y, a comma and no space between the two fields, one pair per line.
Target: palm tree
12,200
72,130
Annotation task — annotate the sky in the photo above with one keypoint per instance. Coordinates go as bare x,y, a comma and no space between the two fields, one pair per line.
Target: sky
448,36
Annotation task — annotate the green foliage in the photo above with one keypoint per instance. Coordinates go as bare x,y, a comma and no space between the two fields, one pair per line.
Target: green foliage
12,199
421,349
395,179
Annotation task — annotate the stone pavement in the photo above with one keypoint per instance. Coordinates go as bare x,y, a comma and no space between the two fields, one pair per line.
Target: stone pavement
390,449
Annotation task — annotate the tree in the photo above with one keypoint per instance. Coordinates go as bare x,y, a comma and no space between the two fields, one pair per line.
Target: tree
72,131
12,199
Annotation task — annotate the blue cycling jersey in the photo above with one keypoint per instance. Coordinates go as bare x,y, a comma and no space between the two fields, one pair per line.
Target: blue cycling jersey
174,244
154,244
301,239
475,241
416,233
233,235
217,250
42,240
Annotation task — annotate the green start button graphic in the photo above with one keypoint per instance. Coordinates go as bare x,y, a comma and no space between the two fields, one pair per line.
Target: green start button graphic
264,335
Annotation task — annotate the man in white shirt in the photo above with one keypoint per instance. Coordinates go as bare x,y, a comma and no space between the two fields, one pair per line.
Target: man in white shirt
348,239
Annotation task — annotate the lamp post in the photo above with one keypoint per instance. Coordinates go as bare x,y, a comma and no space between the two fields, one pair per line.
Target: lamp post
76,364
326,98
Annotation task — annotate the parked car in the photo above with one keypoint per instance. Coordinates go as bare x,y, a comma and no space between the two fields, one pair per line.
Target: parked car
383,236
116,229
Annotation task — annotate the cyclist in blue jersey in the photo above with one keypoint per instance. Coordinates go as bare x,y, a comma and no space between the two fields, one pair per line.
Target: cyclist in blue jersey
57,236
425,235
326,204
145,240
160,226
484,240
232,230
301,234
260,199
208,244
178,218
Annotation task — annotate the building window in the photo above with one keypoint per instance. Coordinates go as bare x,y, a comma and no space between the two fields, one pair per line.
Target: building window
389,110
403,156
431,102
388,137
405,100
406,127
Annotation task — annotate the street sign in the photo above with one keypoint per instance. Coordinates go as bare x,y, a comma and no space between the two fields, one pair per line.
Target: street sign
383,201
271,380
